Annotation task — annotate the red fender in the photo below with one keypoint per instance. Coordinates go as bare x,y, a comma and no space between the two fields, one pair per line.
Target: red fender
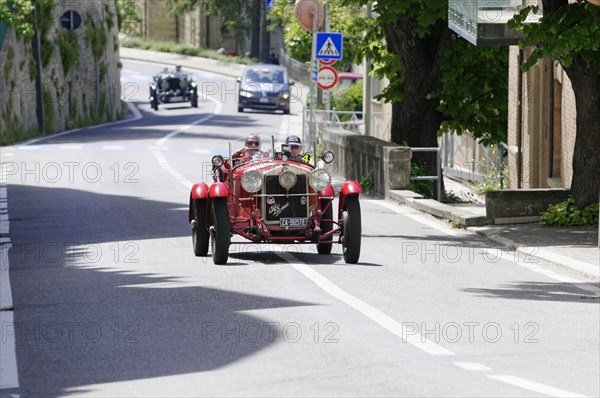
350,187
327,192
219,190
200,191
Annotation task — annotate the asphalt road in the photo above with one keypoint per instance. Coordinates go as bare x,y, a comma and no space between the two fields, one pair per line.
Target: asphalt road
109,299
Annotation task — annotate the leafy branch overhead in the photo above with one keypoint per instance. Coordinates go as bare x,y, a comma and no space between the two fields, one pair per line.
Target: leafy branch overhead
433,73
571,31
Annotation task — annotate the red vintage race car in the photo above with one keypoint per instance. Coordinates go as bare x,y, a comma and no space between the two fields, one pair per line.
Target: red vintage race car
274,199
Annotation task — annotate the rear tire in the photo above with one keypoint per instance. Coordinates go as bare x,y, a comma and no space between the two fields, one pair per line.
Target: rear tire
200,235
220,233
241,109
326,226
352,229
195,98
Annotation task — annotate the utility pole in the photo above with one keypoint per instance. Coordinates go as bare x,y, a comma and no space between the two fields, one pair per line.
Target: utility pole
367,110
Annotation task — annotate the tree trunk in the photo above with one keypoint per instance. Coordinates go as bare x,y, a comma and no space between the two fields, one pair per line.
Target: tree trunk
586,156
255,33
265,36
415,119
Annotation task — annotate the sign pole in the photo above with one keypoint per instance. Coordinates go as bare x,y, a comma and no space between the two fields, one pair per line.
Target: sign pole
313,85
327,95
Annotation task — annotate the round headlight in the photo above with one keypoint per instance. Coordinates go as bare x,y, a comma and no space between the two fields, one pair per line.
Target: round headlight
327,157
251,181
217,160
287,179
320,179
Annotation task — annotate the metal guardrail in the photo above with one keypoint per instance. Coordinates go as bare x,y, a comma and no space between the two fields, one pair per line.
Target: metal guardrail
438,177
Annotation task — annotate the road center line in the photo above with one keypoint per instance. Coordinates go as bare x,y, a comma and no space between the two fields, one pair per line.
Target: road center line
162,162
371,312
533,386
218,108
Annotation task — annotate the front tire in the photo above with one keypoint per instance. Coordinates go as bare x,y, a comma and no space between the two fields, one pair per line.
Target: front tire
200,235
352,230
153,99
220,232
326,226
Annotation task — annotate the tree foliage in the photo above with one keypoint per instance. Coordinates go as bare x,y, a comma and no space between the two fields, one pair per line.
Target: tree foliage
471,87
298,41
21,14
18,15
236,15
567,32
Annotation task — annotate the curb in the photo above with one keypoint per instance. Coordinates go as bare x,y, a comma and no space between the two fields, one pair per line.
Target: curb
462,217
543,254
467,219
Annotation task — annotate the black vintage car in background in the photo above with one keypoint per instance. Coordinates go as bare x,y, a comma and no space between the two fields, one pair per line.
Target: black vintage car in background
170,86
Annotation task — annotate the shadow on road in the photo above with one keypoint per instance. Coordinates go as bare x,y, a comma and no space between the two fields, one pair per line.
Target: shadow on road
539,291
81,319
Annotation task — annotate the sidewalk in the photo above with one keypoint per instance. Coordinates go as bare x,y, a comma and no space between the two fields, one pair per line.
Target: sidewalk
574,248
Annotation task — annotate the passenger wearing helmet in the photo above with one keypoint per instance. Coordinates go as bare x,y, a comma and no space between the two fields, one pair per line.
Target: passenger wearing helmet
295,144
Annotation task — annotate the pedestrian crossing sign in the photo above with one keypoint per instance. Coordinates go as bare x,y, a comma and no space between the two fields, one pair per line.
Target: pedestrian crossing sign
329,45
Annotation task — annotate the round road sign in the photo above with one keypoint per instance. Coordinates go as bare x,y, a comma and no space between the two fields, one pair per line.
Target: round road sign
327,77
327,61
306,10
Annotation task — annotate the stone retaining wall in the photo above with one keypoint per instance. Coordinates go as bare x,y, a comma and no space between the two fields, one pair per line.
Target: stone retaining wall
511,206
78,87
358,155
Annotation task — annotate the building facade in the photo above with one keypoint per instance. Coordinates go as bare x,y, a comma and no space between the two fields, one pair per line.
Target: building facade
541,124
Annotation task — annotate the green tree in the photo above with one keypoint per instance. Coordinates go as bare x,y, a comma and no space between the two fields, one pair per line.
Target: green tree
244,17
570,34
298,41
438,81
19,15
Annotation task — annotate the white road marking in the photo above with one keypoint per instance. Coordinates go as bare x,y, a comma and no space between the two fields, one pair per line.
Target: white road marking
533,386
284,128
158,146
6,302
8,355
113,147
218,108
162,162
472,366
371,312
71,147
